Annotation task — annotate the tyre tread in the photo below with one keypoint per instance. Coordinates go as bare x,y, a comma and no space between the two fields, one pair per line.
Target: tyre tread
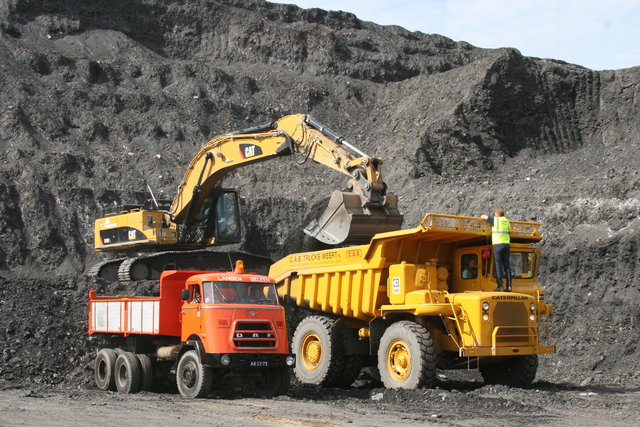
517,372
426,376
132,365
146,372
107,356
335,368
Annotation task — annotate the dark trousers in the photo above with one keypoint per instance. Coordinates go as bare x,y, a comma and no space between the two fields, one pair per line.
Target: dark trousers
501,257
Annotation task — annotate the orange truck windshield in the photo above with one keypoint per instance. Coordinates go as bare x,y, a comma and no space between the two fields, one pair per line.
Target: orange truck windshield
239,293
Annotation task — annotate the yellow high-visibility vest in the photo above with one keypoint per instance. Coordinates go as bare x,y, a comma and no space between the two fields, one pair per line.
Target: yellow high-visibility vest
500,231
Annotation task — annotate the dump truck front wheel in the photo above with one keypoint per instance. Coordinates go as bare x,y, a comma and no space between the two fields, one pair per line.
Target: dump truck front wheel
518,371
193,378
407,356
314,343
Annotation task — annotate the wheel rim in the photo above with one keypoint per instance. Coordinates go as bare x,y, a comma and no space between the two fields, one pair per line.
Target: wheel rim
311,351
399,360
189,375
102,370
123,374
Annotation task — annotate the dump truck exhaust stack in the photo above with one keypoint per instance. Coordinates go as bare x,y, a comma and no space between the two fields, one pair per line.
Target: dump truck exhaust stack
350,220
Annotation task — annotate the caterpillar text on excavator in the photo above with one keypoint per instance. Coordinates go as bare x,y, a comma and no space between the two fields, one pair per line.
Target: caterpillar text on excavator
173,234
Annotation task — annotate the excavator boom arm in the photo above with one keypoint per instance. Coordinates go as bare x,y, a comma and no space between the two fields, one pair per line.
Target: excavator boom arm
294,133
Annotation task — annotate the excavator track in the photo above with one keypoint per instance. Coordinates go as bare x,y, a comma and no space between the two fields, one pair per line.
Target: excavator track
150,266
107,270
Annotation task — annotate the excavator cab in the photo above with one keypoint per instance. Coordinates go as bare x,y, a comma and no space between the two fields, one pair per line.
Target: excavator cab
217,220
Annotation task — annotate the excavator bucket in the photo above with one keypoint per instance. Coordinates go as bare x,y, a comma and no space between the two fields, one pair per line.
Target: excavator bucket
346,221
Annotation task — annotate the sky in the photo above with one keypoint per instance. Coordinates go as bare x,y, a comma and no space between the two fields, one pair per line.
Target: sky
596,34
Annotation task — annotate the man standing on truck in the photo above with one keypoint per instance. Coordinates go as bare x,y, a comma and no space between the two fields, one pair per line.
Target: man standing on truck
501,242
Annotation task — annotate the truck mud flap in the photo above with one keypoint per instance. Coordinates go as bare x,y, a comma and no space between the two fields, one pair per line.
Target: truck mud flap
348,221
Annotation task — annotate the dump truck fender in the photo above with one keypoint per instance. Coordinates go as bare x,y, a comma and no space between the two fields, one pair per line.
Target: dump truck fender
379,325
194,343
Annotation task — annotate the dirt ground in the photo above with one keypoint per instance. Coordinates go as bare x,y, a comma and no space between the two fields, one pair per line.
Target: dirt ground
451,403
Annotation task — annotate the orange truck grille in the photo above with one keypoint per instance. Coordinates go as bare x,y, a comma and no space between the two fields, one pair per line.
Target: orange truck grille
254,335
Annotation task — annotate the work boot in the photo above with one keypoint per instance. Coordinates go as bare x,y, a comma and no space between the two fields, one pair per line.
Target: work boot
508,288
499,289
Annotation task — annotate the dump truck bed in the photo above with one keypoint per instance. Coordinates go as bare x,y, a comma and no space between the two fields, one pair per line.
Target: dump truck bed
130,314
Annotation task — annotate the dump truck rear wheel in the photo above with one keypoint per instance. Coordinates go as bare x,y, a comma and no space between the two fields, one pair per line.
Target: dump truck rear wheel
146,372
313,343
193,378
275,383
104,369
127,373
518,371
407,356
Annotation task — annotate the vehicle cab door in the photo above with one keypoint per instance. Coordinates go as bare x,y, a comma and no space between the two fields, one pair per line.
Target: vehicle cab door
192,318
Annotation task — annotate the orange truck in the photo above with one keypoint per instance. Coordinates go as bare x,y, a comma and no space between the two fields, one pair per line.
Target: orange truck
227,324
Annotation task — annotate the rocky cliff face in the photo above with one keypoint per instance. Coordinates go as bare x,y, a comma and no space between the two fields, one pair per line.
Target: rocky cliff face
100,98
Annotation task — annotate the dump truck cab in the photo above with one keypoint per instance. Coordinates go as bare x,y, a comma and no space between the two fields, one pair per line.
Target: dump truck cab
473,272
246,307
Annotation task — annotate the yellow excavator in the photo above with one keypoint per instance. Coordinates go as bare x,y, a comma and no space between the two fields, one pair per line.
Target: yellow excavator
204,214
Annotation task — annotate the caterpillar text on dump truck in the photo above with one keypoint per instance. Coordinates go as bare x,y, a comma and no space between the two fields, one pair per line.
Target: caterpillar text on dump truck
226,326
408,303
174,232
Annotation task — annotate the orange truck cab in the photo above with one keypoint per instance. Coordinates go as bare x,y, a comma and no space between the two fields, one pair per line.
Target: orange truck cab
203,324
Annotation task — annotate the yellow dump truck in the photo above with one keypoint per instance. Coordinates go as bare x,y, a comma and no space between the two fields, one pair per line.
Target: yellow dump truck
415,300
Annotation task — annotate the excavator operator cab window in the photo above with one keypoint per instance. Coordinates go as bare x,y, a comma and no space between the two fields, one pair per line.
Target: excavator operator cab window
205,210
228,218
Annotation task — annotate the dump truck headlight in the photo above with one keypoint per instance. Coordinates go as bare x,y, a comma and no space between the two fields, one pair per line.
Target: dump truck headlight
532,307
290,360
485,306
532,318
225,360
485,317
